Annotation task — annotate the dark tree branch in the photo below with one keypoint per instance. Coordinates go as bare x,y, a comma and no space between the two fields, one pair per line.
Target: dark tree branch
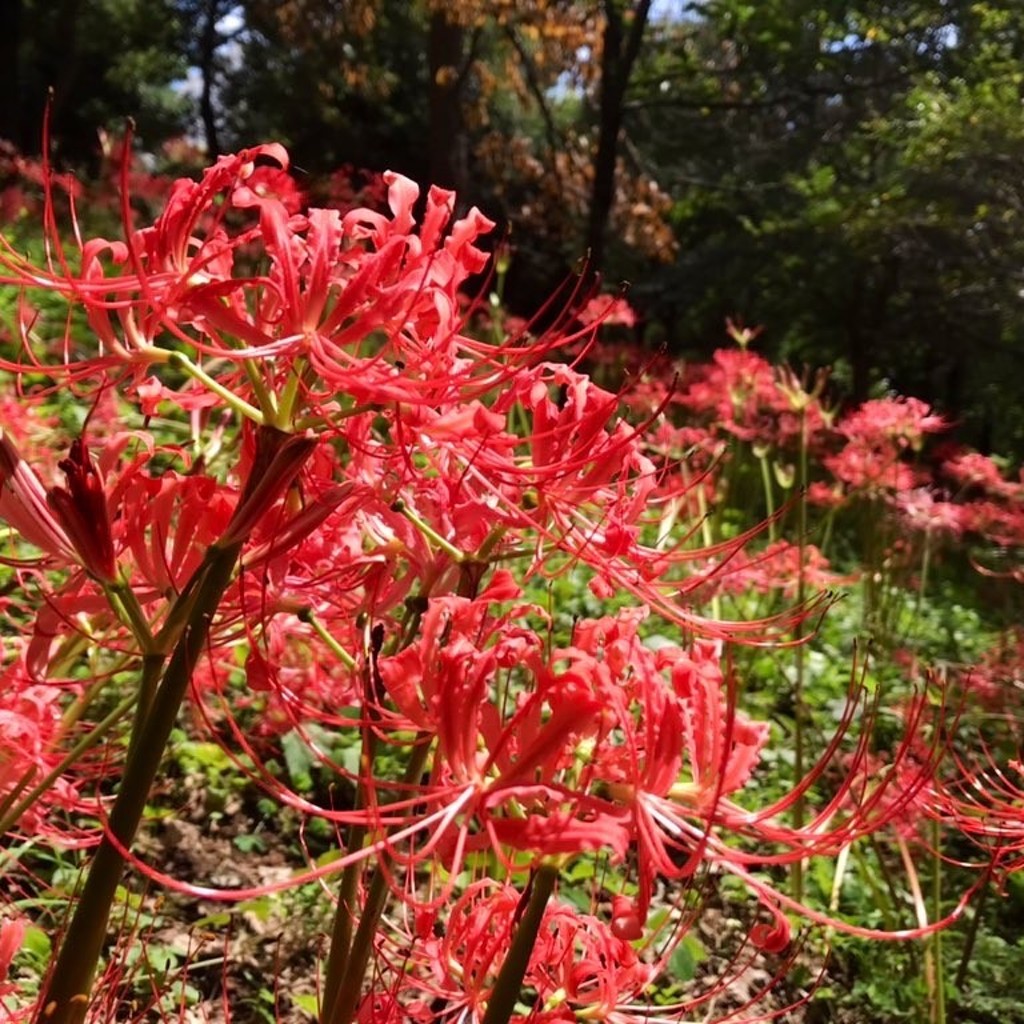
208,43
618,55
10,45
537,92
446,56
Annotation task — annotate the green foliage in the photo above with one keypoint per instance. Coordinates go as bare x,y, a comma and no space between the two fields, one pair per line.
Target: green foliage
997,965
849,176
106,61
331,88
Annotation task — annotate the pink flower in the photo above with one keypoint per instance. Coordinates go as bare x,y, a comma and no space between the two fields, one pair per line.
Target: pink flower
24,505
607,310
903,422
12,934
920,510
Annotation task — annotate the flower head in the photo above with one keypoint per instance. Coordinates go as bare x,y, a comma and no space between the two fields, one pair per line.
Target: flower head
81,508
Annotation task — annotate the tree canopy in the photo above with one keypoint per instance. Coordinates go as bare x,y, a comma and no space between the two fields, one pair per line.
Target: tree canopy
848,174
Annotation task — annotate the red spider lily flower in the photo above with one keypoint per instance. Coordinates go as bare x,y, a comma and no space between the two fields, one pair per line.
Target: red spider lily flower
607,310
997,677
336,282
12,934
739,391
32,738
871,469
174,243
900,421
983,799
688,751
151,267
920,510
369,299
612,743
879,434
577,968
167,523
974,471
24,505
81,508
511,767
998,522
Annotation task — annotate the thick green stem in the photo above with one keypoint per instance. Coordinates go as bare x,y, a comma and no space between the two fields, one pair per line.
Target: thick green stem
66,999
345,916
769,496
799,807
970,939
509,985
351,964
349,956
939,994
278,458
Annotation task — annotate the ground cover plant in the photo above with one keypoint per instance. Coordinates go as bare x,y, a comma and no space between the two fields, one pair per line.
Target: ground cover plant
498,673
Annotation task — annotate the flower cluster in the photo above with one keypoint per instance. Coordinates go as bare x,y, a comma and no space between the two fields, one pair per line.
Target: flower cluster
320,505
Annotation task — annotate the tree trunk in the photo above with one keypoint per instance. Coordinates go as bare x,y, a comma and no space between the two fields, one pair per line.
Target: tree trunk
71,138
10,83
207,68
448,165
618,55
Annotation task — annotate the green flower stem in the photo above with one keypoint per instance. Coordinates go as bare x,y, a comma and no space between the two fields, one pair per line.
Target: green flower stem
429,532
939,995
708,539
799,716
345,915
347,960
308,615
182,362
971,938
149,680
127,608
290,393
348,988
66,999
265,398
507,988
769,497
915,615
346,912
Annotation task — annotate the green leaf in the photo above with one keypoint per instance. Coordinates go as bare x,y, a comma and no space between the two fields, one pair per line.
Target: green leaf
298,759
307,1003
686,957
36,943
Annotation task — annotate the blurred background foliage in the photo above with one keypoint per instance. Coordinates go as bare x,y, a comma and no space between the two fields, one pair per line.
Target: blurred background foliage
847,173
